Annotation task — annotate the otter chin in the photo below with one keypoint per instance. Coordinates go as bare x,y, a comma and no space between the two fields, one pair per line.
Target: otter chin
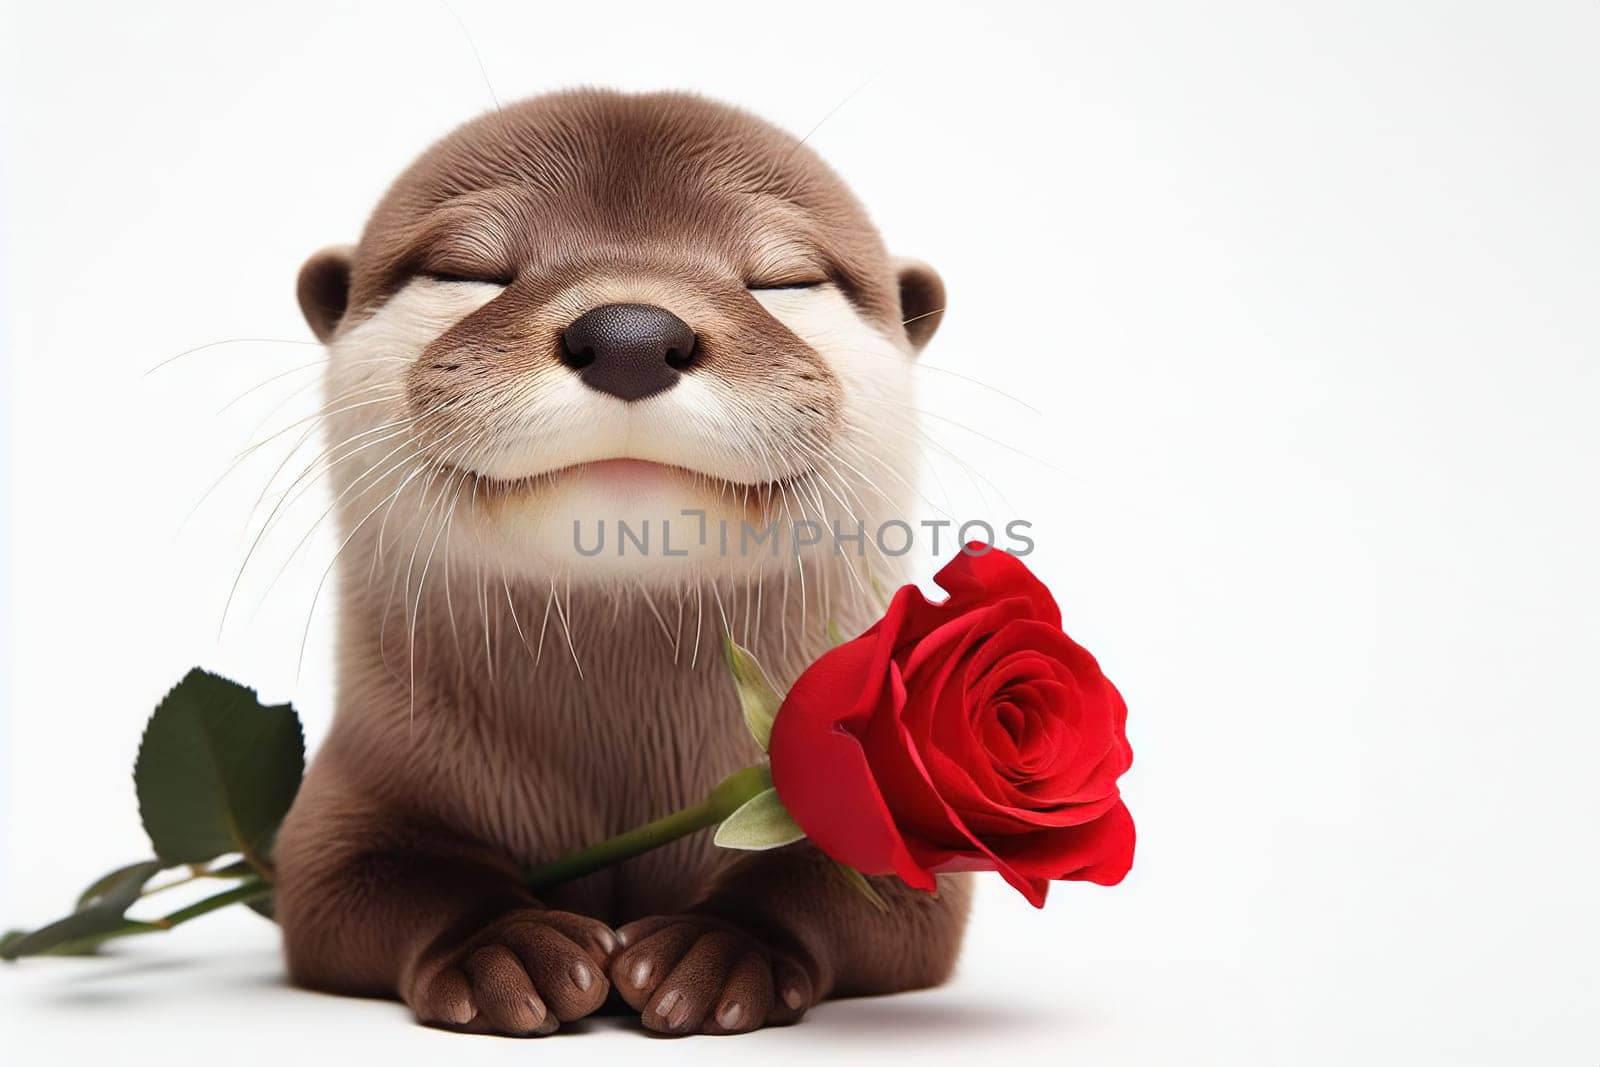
598,311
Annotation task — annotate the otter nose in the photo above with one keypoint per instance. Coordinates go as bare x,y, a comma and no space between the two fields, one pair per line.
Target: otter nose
628,350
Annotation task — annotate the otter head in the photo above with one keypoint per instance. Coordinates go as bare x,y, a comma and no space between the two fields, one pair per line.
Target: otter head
592,311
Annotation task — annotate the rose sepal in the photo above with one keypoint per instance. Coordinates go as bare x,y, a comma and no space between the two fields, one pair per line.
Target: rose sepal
761,823
758,700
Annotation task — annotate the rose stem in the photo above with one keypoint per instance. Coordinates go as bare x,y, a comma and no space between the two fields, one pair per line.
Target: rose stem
729,795
253,888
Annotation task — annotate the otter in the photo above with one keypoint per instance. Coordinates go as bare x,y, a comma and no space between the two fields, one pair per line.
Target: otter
595,305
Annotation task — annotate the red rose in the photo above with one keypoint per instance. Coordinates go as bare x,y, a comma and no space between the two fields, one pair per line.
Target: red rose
965,735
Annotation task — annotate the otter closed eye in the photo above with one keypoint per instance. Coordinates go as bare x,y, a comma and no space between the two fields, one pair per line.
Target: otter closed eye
758,287
471,279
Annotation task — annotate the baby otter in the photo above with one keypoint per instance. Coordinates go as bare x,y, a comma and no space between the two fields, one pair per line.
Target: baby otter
593,306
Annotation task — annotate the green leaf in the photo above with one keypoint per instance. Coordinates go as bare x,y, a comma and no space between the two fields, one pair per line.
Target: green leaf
123,884
762,822
217,771
757,698
858,881
80,932
100,911
835,636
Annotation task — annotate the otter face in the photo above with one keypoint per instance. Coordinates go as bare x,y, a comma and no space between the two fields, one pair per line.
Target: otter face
592,310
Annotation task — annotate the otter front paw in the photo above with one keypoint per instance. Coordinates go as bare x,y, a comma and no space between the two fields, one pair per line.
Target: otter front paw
689,974
523,974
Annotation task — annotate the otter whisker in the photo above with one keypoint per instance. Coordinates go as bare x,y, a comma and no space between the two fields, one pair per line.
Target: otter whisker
331,457
566,627
651,604
433,468
449,602
834,110
677,631
958,424
283,402
237,461
340,551
543,626
268,381
255,544
887,469
476,56
727,628
228,341
783,618
323,465
383,527
922,438
511,605
744,636
932,368
284,463
422,582
800,568
699,612
355,484
324,413
411,613
483,583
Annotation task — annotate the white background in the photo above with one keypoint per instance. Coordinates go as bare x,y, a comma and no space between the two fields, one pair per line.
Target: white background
1303,294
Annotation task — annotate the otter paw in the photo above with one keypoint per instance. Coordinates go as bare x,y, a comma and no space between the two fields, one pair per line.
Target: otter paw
524,974
689,974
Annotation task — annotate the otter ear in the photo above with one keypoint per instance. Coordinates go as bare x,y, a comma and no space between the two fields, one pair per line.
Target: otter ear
921,299
324,289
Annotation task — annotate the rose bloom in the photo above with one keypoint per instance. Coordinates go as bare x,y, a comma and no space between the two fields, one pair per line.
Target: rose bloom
971,734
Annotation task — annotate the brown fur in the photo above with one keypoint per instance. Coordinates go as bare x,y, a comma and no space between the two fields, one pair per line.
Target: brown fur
471,738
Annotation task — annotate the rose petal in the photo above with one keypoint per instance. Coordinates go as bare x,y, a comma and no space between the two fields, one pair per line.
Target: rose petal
1088,768
991,818
822,774
995,575
944,855
949,751
1100,851
912,797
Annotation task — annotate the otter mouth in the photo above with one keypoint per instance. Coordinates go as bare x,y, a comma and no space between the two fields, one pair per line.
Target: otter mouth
625,476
